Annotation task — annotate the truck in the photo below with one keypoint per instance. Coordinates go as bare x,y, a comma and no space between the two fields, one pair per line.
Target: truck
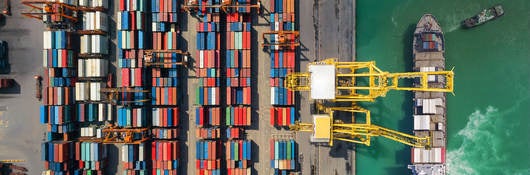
38,87
5,6
6,83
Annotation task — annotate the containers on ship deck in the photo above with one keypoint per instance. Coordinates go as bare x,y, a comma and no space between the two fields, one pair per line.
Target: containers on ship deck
433,155
283,154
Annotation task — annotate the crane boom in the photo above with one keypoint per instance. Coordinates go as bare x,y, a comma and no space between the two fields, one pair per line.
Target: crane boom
326,128
363,81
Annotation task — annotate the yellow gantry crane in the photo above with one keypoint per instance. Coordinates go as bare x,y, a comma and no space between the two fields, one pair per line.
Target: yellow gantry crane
330,82
360,81
326,128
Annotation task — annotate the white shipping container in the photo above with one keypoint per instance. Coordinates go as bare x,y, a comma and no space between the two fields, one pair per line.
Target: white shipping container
201,58
99,44
86,44
109,112
47,38
422,122
124,153
99,3
83,3
101,21
81,68
44,58
98,134
141,151
273,94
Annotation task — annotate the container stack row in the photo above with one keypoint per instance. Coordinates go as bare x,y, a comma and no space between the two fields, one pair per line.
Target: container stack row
283,155
163,63
283,61
238,73
133,159
238,66
132,100
58,156
208,157
91,157
165,157
238,157
58,109
92,68
208,115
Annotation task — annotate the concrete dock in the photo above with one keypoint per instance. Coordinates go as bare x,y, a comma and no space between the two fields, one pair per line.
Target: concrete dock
327,29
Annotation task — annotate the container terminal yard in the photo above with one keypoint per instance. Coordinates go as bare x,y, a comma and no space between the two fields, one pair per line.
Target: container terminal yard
200,87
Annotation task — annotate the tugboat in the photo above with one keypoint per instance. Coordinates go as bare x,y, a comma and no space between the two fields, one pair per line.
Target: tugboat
484,16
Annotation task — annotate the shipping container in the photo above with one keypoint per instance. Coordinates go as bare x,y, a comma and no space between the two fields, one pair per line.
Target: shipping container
208,116
165,133
165,155
283,154
165,117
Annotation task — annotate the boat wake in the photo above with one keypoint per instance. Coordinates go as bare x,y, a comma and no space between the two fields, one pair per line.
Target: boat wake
481,137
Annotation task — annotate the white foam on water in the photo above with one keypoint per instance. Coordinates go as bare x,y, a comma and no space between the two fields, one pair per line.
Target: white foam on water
480,139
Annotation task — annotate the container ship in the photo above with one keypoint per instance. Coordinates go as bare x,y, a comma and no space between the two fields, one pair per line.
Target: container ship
429,107
484,16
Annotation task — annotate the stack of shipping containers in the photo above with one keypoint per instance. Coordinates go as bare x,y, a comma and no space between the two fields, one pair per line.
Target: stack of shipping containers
283,154
165,87
130,39
92,70
132,110
58,108
133,159
283,61
238,71
208,96
92,64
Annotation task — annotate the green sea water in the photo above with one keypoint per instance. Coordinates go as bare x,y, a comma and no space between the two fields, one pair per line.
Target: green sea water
489,115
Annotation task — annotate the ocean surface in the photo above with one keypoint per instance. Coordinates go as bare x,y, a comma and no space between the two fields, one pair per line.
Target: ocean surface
489,115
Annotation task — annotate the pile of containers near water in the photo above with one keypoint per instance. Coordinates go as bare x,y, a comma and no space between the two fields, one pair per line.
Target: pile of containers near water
283,61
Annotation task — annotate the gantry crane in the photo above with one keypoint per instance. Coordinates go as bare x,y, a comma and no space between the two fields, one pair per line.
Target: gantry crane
360,81
12,161
334,83
114,134
149,58
44,7
113,95
326,128
286,39
193,5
